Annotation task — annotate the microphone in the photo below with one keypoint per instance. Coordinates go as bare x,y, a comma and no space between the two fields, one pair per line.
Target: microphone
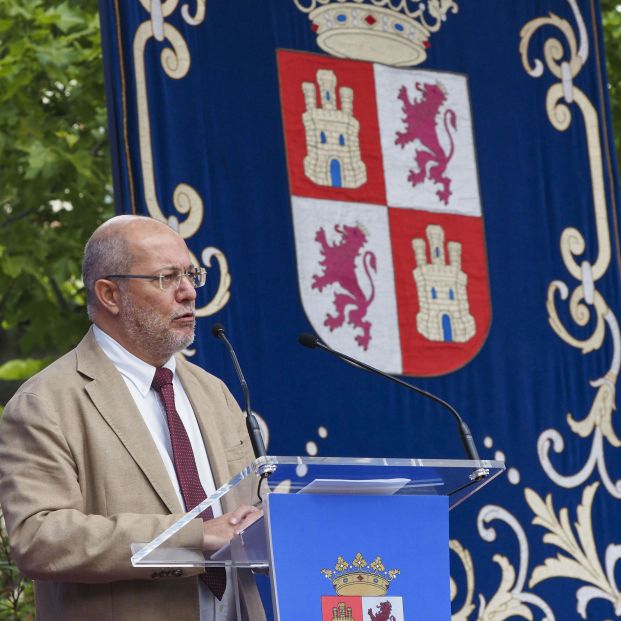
312,342
254,431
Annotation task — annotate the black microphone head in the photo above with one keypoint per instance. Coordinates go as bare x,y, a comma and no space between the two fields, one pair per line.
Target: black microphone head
308,340
217,330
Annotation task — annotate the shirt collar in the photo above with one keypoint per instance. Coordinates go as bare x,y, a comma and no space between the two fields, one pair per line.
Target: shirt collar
137,371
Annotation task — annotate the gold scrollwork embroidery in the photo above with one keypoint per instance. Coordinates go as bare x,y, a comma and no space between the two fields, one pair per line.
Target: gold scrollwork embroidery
175,61
581,560
466,560
222,295
510,599
586,304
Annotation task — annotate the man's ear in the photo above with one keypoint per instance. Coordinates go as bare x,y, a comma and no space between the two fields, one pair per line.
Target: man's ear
107,292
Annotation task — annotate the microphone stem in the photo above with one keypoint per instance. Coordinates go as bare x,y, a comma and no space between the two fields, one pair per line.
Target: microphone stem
252,424
464,430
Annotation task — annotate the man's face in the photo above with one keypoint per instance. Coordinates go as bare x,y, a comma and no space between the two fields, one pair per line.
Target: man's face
157,323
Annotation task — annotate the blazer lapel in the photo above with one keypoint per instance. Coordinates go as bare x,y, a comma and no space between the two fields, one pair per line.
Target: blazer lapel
114,402
208,423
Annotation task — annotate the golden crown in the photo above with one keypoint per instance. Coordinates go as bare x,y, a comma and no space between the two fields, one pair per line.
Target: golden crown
393,32
360,577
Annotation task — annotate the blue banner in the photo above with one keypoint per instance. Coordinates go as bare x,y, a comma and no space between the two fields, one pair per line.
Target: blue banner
429,187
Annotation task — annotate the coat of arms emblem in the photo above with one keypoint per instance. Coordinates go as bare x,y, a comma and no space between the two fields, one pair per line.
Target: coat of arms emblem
361,592
387,216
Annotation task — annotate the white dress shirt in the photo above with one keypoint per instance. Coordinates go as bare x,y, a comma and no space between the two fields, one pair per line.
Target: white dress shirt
138,376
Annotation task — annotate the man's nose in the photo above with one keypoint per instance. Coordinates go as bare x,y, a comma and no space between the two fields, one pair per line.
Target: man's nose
186,290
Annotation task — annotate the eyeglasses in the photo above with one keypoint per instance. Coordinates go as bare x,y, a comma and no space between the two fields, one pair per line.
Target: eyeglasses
196,275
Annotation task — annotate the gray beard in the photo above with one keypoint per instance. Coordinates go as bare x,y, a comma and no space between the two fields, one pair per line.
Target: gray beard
151,332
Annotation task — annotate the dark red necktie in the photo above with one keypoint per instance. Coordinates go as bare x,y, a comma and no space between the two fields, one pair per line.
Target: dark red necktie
185,467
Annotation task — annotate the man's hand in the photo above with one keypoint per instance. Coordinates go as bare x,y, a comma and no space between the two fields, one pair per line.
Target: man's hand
219,531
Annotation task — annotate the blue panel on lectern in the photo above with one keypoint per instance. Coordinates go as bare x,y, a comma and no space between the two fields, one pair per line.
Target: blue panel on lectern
360,558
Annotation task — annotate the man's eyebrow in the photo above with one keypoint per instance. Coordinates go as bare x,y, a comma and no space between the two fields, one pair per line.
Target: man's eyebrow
176,267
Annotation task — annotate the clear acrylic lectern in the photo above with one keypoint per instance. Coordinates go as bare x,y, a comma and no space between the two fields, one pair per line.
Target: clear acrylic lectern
455,479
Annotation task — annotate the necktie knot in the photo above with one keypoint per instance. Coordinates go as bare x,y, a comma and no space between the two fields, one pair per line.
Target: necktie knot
162,377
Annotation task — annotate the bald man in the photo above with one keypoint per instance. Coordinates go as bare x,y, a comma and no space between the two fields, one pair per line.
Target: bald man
94,457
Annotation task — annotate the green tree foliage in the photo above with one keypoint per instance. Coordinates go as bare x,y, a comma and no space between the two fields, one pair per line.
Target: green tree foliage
16,594
611,17
54,170
55,188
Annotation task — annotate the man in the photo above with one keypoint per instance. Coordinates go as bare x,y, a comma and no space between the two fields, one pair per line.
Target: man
96,453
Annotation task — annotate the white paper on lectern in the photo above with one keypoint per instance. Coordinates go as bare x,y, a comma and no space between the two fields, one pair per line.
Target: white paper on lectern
375,487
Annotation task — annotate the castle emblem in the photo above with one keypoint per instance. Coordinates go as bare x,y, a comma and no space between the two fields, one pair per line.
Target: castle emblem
361,589
339,269
342,612
333,152
384,31
442,290
422,121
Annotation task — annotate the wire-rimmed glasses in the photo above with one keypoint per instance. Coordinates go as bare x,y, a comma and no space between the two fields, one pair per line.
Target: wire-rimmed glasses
196,275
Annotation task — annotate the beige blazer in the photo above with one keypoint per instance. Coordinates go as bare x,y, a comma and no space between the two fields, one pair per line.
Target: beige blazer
81,479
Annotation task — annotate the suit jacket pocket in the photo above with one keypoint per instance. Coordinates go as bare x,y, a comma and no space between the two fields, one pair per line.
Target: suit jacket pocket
238,457
237,452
